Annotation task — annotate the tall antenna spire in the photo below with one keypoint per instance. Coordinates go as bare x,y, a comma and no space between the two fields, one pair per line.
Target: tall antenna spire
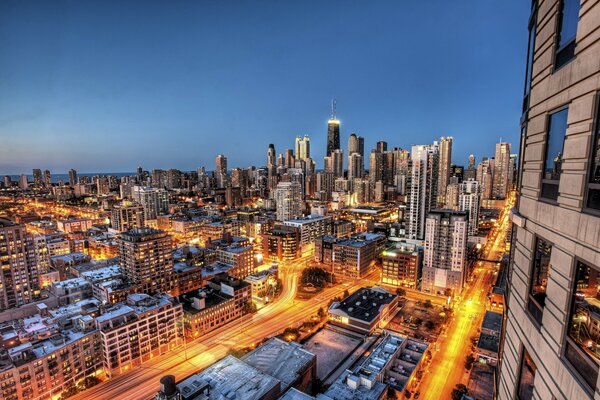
333,109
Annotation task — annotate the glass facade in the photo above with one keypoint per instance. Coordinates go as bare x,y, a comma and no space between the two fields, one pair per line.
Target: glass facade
555,139
567,30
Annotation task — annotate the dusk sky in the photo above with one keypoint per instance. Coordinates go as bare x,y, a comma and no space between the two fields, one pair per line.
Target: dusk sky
107,86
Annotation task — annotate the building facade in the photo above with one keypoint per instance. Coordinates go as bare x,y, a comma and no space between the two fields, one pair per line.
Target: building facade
551,341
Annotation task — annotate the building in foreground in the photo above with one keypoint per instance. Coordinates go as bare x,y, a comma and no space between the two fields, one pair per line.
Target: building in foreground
401,265
310,227
551,342
281,243
364,310
352,257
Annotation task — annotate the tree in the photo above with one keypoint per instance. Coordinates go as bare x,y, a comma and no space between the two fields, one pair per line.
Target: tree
315,276
321,312
249,308
346,293
430,325
469,360
458,391
391,393
401,292
427,304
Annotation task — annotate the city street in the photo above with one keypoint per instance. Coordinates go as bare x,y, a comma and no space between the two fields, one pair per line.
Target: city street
143,383
447,366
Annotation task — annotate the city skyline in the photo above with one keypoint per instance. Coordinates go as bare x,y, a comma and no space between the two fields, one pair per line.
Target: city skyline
125,89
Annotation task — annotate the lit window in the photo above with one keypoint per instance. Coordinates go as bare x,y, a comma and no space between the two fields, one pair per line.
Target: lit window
526,377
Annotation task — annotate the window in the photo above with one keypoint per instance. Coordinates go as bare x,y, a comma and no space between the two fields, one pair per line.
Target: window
555,139
593,196
530,51
582,348
567,30
526,377
540,272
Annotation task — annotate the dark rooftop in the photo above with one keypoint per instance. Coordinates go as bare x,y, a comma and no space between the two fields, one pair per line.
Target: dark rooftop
364,304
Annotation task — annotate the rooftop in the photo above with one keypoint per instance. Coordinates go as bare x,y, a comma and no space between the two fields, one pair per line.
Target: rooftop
282,360
364,304
492,321
228,379
307,219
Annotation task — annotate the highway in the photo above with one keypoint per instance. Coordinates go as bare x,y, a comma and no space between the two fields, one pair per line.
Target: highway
143,383
447,366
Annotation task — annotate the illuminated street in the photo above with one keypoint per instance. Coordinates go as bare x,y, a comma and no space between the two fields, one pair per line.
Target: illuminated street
447,367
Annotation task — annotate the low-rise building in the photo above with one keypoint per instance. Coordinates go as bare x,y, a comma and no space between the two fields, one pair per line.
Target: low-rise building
364,310
220,302
351,257
401,265
310,227
71,290
142,328
263,284
488,345
281,243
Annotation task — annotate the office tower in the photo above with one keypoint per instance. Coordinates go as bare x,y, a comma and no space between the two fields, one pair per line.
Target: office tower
72,177
271,156
290,160
23,183
302,147
423,188
333,132
47,179
469,200
502,171
375,166
444,169
552,339
381,146
154,201
7,181
356,166
102,185
485,178
19,282
146,257
471,171
445,257
126,216
356,144
288,197
37,178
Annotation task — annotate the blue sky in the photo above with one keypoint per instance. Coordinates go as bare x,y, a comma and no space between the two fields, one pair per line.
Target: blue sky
110,85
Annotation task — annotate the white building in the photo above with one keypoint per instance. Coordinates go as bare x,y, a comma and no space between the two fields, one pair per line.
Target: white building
155,201
311,227
288,196
468,200
445,258
422,187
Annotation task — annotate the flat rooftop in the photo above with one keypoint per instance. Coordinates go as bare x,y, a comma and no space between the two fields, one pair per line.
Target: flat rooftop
364,304
231,378
282,360
492,321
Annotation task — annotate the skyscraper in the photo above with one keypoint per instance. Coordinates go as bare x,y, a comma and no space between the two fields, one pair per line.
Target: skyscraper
333,132
471,171
356,166
552,338
381,146
302,147
126,216
47,179
288,198
23,183
356,144
502,170
445,257
423,188
375,167
271,156
290,160
37,178
444,169
19,282
468,200
154,201
72,177
221,170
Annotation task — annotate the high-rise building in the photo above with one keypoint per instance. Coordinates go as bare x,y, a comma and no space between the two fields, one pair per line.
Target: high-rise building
288,198
469,200
333,132
290,160
552,338
445,257
356,166
19,282
375,166
72,177
146,258
7,181
356,144
423,188
126,216
154,201
37,178
502,171
23,183
471,171
271,157
221,170
302,147
484,176
337,163
444,169
102,185
47,179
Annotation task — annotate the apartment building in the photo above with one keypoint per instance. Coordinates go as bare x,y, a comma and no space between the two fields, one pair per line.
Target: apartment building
551,346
